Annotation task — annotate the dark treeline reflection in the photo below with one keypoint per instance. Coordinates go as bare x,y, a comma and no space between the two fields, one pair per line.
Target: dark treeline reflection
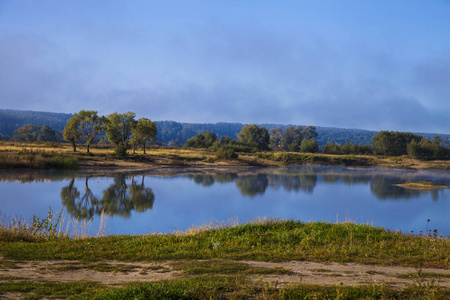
381,185
118,199
252,185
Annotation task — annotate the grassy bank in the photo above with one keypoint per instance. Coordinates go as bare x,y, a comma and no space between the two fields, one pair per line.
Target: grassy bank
37,159
269,241
209,267
61,156
208,261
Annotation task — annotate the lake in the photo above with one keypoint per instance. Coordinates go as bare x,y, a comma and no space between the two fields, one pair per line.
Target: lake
166,200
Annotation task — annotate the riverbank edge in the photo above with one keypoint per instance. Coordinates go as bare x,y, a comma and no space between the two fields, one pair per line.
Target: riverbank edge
36,156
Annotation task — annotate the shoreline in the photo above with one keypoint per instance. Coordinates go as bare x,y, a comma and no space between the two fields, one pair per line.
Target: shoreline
38,157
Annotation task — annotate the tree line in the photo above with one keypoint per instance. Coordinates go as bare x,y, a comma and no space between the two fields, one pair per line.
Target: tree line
123,131
302,139
254,138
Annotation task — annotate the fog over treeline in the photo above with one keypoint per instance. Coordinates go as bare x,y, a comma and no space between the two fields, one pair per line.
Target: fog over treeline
169,131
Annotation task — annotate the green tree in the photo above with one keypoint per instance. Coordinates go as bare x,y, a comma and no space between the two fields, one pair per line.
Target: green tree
275,142
393,143
119,128
254,136
201,140
90,124
144,132
26,133
46,134
437,140
71,132
427,150
309,146
332,148
291,138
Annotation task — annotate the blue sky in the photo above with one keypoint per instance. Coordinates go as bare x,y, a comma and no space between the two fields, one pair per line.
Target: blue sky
378,65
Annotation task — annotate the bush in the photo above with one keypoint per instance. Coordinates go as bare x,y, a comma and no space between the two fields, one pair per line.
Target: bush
309,146
222,153
201,140
332,148
121,150
426,150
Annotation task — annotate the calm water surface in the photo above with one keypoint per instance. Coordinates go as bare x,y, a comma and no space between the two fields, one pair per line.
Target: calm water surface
146,202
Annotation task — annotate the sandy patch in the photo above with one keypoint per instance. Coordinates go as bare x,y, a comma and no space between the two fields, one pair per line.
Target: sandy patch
351,274
348,274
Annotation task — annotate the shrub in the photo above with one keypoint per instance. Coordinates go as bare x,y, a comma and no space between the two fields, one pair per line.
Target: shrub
331,148
223,153
121,150
309,146
426,150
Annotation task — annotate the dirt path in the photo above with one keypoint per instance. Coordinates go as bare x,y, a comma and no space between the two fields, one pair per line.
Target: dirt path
116,273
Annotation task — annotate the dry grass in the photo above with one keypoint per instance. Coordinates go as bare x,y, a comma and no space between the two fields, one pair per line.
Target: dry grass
104,157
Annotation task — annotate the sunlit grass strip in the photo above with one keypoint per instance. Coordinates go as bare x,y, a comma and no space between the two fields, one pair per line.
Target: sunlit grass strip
422,185
271,240
37,159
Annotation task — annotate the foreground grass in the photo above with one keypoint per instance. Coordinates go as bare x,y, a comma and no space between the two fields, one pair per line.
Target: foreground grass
269,241
212,287
222,276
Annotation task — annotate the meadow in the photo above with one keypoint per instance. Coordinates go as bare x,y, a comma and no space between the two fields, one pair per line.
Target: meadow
225,261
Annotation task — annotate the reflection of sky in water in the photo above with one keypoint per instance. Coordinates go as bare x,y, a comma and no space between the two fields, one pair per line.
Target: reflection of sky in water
308,194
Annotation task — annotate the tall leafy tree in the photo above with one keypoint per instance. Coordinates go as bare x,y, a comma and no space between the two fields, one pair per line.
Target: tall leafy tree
254,136
309,146
71,132
119,128
275,142
144,132
393,143
90,124
291,138
46,134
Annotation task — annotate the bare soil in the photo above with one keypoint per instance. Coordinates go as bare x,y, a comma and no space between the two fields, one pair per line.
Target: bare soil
322,273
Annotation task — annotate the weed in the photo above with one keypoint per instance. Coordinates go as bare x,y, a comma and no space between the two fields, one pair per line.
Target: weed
49,228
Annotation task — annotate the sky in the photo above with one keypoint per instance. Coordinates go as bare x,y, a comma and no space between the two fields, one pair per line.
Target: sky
373,64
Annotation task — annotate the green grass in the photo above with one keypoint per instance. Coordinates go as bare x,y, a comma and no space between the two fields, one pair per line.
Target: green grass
269,241
225,267
213,287
49,290
208,261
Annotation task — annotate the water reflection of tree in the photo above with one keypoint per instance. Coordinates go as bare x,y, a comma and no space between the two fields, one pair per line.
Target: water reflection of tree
385,189
141,196
208,180
205,180
84,207
118,199
252,185
304,182
225,177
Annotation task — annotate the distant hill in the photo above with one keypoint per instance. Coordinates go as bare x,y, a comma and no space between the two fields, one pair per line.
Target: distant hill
11,120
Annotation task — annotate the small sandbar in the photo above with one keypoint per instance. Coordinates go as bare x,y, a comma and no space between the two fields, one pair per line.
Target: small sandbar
422,185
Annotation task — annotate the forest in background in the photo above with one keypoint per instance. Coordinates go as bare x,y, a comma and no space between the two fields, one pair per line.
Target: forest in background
176,133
